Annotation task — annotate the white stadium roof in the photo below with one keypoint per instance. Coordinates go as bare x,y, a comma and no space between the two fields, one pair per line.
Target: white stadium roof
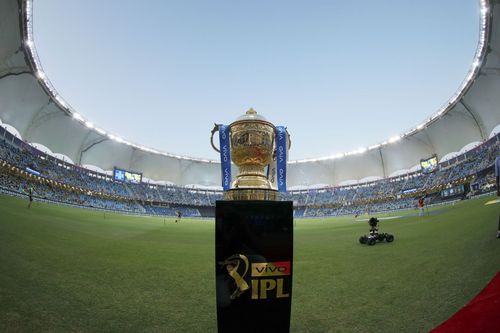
30,106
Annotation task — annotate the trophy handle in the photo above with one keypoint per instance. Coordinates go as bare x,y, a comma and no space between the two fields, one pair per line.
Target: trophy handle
289,143
214,130
273,144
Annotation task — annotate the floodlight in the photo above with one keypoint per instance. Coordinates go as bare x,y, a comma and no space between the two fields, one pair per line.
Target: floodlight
77,116
395,139
360,150
40,75
339,155
100,131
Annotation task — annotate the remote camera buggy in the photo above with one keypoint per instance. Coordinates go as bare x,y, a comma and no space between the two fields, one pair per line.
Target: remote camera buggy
374,235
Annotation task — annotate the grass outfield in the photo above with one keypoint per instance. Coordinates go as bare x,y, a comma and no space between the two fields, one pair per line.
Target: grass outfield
66,269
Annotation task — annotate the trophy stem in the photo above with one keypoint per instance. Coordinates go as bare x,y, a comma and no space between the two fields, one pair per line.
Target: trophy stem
251,176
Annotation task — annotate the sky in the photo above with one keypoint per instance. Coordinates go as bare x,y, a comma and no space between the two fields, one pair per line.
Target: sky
340,75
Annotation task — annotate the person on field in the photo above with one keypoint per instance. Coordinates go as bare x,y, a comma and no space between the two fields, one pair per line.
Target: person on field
421,206
29,193
497,177
179,215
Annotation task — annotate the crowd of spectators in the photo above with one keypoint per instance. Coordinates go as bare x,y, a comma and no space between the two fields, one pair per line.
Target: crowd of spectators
474,166
59,181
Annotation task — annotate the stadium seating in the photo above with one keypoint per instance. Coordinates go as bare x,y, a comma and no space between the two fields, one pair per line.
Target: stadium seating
54,180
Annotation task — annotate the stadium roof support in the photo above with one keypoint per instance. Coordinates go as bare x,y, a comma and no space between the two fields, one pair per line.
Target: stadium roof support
31,104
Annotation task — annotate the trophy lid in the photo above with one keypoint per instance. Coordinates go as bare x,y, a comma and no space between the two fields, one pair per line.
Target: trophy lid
251,115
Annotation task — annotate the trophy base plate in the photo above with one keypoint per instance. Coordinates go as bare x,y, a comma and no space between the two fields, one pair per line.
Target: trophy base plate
252,194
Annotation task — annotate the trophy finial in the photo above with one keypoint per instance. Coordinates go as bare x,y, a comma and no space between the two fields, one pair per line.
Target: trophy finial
251,111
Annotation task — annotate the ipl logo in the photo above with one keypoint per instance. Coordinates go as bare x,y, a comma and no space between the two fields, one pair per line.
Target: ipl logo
232,265
267,278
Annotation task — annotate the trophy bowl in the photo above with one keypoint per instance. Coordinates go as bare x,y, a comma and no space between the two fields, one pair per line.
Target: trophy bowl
252,150
252,146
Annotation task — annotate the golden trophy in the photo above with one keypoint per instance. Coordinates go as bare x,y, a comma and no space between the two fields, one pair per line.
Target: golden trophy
253,148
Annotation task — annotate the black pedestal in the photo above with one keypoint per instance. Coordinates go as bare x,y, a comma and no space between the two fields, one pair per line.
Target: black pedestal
254,260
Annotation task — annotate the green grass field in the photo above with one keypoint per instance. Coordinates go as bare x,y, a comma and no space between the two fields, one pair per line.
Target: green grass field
74,270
